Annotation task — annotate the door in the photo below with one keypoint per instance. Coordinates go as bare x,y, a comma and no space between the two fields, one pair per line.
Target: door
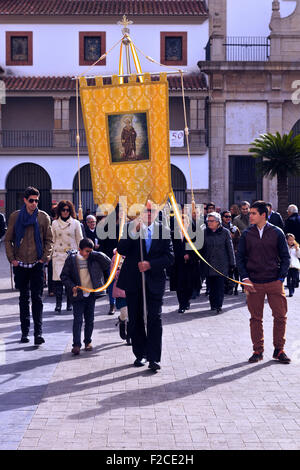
244,183
22,176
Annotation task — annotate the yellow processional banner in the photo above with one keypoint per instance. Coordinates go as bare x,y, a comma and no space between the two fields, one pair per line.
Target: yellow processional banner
127,131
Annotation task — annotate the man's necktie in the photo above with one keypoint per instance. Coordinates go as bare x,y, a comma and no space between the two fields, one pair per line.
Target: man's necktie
148,240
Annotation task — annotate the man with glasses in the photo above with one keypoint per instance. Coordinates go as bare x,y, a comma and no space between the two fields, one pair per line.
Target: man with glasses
28,244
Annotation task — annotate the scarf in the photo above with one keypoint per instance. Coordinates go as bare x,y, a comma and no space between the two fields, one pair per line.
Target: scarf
23,221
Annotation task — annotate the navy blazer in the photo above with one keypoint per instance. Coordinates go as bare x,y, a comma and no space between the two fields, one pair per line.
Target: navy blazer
160,257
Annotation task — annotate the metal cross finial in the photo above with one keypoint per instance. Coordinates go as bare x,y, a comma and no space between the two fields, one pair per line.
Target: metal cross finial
125,22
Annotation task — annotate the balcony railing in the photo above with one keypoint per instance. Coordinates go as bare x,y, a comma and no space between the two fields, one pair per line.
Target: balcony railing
243,48
247,48
82,141
21,138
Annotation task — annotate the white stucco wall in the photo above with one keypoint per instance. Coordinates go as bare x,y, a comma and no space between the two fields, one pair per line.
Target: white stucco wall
199,169
56,47
252,17
62,169
245,121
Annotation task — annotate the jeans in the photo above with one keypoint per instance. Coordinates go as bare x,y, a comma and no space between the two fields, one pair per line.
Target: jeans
83,308
30,280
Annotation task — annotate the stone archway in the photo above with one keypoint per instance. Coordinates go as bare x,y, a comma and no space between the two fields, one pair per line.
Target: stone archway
87,197
178,184
22,176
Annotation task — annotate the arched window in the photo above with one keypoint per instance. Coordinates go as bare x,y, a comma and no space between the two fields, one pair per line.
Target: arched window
22,176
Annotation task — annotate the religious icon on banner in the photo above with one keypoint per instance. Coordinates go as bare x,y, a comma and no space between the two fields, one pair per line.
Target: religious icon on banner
128,137
127,131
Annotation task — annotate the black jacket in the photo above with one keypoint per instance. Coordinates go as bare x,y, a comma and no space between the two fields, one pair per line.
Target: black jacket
218,251
276,219
263,259
98,266
292,225
160,257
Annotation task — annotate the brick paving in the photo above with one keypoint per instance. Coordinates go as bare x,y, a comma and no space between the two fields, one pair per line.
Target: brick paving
207,396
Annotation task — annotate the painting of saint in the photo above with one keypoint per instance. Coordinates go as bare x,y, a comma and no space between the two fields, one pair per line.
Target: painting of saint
128,137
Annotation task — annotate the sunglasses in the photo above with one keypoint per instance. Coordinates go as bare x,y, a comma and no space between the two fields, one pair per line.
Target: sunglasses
33,200
227,216
65,209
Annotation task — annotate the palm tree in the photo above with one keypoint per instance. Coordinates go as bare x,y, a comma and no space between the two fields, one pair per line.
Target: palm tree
279,156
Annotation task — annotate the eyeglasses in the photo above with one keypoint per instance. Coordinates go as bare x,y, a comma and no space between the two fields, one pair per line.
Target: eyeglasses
33,200
65,209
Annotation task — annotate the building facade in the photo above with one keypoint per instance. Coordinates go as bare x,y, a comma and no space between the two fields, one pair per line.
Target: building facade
45,44
253,65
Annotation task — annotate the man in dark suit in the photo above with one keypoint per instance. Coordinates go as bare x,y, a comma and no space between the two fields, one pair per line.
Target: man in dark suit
157,256
90,231
274,218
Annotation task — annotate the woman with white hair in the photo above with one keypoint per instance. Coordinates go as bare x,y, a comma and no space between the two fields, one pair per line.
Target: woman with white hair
219,253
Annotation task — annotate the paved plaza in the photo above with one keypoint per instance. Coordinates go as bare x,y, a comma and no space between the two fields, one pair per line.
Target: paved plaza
207,396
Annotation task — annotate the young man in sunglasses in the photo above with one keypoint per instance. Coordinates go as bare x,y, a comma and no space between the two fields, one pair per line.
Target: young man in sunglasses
28,244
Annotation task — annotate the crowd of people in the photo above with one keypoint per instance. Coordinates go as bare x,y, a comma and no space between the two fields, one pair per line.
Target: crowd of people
250,246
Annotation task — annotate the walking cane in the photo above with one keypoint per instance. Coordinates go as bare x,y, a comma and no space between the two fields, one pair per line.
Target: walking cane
143,282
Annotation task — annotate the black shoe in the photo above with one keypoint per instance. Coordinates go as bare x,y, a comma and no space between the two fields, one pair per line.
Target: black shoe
122,328
24,339
140,362
154,366
38,340
181,310
219,310
57,308
280,355
256,357
187,307
112,309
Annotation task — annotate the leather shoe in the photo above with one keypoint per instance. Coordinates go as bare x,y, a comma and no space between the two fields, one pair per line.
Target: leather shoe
140,362
181,310
154,366
24,339
38,340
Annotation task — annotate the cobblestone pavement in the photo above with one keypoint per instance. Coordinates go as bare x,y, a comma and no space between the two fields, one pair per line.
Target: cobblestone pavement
207,396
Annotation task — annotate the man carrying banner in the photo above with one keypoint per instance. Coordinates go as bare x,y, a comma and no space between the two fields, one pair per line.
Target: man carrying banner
156,252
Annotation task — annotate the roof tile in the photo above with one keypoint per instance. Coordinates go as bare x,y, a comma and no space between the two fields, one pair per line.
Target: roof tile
194,82
103,7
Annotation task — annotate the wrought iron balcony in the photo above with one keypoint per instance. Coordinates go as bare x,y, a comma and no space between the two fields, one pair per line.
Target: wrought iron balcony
82,141
243,48
27,138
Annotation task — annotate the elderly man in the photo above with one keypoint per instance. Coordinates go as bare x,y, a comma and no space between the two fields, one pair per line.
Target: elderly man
90,231
241,221
158,255
292,223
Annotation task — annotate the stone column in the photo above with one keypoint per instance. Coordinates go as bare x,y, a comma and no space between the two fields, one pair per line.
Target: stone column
274,125
197,124
61,134
218,164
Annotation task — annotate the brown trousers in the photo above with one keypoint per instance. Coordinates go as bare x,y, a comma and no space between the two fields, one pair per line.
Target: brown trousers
278,304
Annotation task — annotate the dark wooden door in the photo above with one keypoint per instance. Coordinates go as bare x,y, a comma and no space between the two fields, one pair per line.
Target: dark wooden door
22,176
